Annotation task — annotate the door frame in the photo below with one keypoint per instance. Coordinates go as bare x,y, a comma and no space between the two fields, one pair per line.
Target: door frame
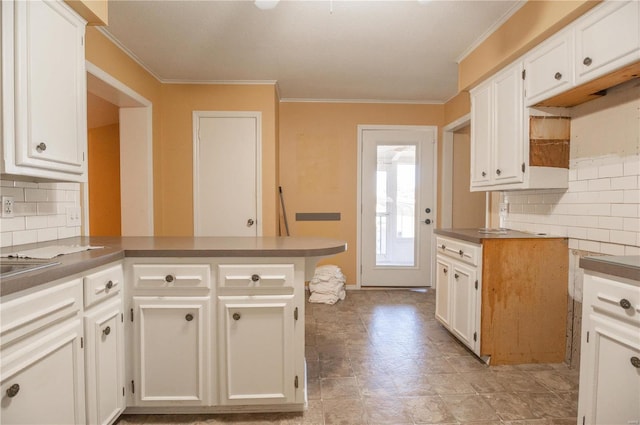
196,154
434,201
137,137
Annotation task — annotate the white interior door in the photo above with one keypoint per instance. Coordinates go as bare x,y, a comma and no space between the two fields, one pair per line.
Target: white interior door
397,205
227,174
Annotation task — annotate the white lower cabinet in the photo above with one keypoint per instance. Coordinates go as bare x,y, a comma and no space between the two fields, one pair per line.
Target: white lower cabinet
256,349
610,359
464,295
171,347
41,357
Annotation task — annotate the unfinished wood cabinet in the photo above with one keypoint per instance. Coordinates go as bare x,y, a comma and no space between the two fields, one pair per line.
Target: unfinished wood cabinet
518,286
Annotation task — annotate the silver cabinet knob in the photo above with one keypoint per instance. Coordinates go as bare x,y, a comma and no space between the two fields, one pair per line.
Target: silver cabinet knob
635,362
250,222
558,76
445,271
255,277
42,146
188,317
443,246
484,174
236,316
461,252
13,390
169,278
587,61
106,331
109,285
498,172
456,275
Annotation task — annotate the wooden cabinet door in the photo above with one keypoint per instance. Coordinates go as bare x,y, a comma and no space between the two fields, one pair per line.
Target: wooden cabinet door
104,359
508,134
610,373
171,350
256,348
47,135
607,39
481,134
463,305
45,384
443,291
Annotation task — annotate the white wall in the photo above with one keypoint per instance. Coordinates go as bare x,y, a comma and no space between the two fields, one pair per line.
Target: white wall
39,212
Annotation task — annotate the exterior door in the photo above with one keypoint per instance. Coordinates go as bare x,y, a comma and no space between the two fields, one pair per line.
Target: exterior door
227,174
397,205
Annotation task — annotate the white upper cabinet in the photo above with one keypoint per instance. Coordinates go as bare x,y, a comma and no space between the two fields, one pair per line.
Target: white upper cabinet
43,91
549,68
607,38
497,130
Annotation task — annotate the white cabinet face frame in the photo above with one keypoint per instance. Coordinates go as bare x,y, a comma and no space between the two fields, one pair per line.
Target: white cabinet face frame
44,91
171,346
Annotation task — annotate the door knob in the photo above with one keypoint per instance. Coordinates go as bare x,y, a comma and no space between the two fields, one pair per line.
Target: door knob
428,221
250,222
428,210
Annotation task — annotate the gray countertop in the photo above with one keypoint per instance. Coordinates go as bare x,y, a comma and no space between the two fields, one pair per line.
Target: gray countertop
476,236
117,248
621,266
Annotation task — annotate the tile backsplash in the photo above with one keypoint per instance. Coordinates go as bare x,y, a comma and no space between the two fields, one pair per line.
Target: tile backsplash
40,212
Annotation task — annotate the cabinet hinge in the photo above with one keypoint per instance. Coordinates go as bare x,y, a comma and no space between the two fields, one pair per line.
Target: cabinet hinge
524,74
523,167
132,315
122,391
81,342
295,314
121,317
475,336
587,337
583,420
476,285
295,382
133,387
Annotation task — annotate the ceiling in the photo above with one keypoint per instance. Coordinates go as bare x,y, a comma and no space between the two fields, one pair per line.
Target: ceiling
388,50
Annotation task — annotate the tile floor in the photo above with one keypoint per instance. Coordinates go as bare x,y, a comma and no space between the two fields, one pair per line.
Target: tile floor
380,357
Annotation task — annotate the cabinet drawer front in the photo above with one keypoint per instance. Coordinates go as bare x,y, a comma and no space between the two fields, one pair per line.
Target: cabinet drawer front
613,298
469,253
102,285
30,313
255,275
171,276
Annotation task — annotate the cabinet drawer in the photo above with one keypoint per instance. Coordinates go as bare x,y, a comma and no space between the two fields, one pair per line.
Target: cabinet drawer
101,285
612,298
463,251
171,276
30,313
255,275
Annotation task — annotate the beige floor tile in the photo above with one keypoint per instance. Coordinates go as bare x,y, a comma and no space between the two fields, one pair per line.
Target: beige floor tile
557,380
470,407
337,388
414,386
344,412
377,386
451,383
429,410
386,410
510,406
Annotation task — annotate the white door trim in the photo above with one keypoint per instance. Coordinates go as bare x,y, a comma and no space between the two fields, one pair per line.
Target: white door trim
116,92
361,129
196,155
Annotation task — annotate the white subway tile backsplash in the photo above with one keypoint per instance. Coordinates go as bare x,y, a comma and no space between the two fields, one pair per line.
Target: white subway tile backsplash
614,223
579,186
632,224
611,170
632,196
627,182
588,173
589,246
632,250
577,232
600,235
632,166
611,196
40,211
623,237
625,210
612,249
599,184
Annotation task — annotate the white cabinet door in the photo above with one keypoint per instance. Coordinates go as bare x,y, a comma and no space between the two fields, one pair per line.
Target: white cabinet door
508,130
171,343
104,360
256,348
610,387
44,384
463,306
443,296
549,68
481,134
44,90
607,39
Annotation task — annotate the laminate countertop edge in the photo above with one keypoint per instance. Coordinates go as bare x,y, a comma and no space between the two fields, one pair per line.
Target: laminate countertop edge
627,267
475,236
116,248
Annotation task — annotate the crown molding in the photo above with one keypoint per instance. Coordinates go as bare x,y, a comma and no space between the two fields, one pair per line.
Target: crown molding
398,102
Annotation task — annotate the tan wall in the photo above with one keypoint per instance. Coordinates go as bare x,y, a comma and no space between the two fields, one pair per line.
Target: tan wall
530,25
456,107
96,12
176,166
104,180
318,163
468,208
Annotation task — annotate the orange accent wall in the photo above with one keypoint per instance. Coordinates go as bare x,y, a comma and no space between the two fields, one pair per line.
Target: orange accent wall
318,163
176,180
530,25
104,180
457,107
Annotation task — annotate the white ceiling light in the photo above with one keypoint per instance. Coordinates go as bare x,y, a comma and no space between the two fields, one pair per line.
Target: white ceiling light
266,4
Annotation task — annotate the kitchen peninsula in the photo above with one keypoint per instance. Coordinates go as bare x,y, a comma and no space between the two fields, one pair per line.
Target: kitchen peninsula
158,325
